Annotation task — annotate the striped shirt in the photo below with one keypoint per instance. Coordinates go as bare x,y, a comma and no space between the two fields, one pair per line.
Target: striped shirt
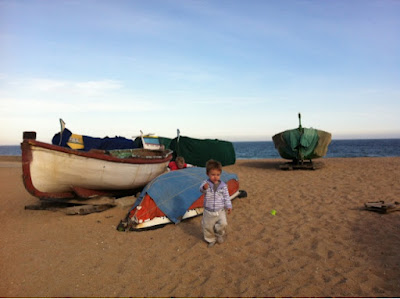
216,196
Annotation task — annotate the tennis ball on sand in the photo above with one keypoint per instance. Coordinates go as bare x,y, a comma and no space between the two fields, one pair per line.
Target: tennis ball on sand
273,212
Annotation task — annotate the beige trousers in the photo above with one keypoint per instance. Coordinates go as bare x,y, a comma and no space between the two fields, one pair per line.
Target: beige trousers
214,225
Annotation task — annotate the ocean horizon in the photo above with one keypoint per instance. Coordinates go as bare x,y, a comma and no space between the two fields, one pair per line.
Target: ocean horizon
339,148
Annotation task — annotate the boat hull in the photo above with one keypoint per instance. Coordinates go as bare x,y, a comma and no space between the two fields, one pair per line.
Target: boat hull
162,219
51,171
174,196
147,214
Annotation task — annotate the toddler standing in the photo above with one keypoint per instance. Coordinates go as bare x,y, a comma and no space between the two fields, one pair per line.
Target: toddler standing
216,201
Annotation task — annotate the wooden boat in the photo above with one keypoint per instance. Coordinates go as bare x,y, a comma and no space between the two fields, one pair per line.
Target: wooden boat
172,197
302,143
55,172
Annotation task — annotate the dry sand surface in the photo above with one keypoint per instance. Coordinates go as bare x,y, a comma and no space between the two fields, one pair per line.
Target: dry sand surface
320,243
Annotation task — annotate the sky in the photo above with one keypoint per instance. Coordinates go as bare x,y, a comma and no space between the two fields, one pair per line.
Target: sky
228,69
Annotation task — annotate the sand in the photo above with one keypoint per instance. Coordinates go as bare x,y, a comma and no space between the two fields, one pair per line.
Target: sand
320,243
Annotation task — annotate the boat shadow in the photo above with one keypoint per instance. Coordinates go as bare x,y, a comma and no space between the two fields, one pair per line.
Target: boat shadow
263,164
278,164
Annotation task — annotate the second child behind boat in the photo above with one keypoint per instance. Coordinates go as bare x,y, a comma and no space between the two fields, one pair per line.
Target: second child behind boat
179,163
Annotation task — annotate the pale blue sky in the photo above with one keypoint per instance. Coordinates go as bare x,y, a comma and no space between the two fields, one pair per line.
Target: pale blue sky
232,70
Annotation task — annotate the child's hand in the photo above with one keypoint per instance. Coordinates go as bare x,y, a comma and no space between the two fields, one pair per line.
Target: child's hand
205,186
229,211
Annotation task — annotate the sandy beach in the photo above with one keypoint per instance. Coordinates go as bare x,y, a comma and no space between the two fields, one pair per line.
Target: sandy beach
320,243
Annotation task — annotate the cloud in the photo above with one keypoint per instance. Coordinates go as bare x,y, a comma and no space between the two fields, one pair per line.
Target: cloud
238,101
97,87
84,87
27,95
10,106
44,85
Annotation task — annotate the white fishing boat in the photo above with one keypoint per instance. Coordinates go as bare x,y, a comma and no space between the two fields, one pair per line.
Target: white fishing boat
55,172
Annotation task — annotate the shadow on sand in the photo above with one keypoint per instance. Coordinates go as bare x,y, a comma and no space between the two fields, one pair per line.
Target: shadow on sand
263,164
276,164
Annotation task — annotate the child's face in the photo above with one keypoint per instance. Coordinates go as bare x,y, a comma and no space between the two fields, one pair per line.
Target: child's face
180,164
214,175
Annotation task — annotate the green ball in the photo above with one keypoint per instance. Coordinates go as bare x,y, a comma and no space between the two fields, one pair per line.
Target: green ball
273,212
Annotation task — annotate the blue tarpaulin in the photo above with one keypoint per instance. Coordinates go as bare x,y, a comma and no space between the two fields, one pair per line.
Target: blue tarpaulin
174,192
106,143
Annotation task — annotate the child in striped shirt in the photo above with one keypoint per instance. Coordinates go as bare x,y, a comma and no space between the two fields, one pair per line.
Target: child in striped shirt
216,201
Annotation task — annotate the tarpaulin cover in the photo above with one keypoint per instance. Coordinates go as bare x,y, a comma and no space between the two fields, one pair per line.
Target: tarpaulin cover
199,151
107,143
174,192
304,143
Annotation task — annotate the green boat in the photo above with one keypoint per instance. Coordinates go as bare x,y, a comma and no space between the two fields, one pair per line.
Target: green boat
302,143
198,151
195,151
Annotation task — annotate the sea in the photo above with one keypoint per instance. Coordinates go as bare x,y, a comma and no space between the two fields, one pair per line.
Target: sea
266,150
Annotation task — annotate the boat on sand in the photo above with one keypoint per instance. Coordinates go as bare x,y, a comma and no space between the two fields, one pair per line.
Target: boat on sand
172,197
56,172
302,143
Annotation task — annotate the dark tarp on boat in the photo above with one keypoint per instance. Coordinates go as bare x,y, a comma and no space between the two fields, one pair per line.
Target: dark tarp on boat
165,141
199,151
89,143
302,143
195,151
174,192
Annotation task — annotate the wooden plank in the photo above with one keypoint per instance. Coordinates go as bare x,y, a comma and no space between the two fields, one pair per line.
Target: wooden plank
69,208
101,200
382,207
86,209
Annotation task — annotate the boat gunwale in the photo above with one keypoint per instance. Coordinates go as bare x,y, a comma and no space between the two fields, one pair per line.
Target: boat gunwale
96,155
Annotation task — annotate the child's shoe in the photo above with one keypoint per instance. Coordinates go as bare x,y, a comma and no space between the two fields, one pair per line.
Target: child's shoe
220,240
211,244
